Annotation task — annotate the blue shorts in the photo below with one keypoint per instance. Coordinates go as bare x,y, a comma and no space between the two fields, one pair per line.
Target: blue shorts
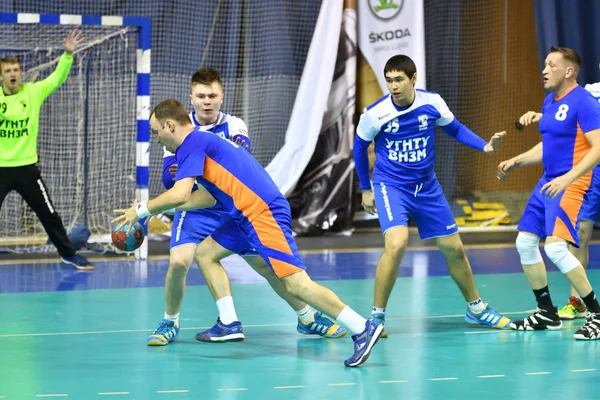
233,238
591,203
192,227
424,202
559,216
270,233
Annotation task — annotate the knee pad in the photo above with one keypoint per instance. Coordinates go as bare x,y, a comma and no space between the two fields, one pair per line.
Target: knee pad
559,254
529,249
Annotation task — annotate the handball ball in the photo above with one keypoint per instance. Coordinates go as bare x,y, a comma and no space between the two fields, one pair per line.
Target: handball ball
126,242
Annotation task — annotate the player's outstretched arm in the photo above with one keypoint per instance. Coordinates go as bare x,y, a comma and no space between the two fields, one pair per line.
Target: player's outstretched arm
530,117
61,72
177,196
530,157
494,142
200,198
587,163
464,135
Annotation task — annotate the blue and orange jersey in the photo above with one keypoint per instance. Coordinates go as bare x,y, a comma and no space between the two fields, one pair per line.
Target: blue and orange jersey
235,179
563,126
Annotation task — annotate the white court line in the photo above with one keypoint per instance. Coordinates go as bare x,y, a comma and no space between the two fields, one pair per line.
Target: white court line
288,387
584,370
401,381
443,379
54,260
196,328
231,389
160,257
52,395
342,384
490,376
538,373
111,393
173,391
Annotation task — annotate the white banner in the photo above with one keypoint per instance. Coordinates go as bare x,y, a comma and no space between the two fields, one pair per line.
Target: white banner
323,197
390,27
311,100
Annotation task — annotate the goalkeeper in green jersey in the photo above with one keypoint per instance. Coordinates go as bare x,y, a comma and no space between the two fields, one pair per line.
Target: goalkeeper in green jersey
19,117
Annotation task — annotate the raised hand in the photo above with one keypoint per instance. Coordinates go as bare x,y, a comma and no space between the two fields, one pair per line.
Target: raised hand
72,41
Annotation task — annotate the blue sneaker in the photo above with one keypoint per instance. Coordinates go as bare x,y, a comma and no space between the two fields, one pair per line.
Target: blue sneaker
79,262
488,317
321,326
381,320
222,333
166,333
364,342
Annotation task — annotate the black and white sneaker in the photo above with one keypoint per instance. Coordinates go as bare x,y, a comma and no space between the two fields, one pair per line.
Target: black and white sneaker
540,320
590,330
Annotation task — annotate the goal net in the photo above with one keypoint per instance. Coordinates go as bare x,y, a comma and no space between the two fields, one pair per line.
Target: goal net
87,129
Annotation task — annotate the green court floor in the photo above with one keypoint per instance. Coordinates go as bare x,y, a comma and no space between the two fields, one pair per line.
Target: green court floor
91,344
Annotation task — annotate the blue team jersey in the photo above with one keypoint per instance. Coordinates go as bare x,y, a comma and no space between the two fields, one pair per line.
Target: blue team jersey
564,123
227,126
404,136
234,178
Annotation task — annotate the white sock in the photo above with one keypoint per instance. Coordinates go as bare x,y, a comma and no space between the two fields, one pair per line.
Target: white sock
377,310
174,318
226,310
307,314
352,320
476,305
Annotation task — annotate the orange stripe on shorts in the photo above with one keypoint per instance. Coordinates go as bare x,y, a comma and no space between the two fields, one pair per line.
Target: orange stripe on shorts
283,269
269,232
560,230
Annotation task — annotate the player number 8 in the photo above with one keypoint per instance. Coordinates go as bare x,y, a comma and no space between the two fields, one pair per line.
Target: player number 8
561,114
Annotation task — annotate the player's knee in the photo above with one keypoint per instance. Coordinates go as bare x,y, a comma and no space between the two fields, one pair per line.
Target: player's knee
395,244
585,232
179,264
559,254
297,284
528,247
452,249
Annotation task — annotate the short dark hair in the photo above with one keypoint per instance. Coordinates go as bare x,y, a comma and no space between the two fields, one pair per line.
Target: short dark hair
9,60
170,109
568,54
401,63
206,76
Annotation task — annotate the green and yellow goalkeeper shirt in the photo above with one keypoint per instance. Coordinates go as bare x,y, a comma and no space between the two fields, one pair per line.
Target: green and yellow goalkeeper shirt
20,116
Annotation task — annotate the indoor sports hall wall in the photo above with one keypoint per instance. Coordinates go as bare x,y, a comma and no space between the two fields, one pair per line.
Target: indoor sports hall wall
481,56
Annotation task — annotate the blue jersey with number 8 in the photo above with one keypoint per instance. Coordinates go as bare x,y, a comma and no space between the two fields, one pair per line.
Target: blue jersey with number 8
563,126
